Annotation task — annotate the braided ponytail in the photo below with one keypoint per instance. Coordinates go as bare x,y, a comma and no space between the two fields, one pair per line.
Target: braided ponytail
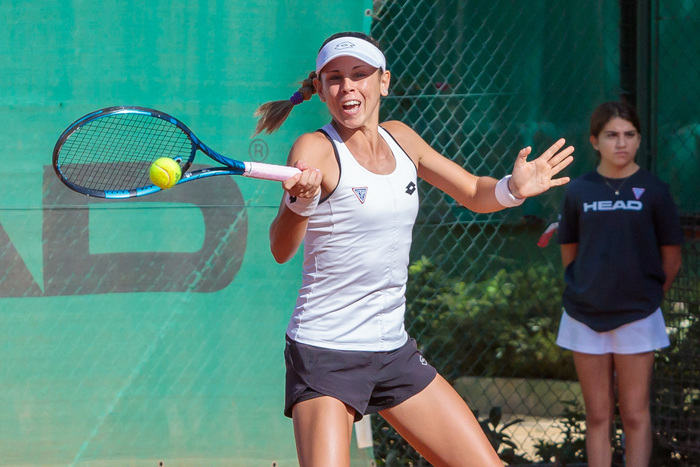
273,114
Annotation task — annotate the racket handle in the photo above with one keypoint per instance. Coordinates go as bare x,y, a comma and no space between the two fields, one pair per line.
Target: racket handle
280,173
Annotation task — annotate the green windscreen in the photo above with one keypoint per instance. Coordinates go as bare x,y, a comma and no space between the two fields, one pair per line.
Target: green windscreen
150,332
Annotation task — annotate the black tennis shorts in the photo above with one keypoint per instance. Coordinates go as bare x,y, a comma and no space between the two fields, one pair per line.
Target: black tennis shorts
366,381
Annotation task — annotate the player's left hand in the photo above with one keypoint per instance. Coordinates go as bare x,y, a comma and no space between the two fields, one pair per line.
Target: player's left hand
530,178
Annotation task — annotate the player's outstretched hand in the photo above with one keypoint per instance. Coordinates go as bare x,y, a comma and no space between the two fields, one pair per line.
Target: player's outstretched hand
530,178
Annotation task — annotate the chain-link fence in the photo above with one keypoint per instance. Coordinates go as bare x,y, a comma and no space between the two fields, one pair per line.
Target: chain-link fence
675,77
479,80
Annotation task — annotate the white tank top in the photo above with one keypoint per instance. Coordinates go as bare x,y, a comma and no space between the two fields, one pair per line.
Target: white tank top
356,253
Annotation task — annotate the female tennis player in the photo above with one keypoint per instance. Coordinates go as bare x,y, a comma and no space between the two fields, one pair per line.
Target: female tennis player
353,206
620,238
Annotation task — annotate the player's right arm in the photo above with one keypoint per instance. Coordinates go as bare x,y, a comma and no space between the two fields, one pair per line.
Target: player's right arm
311,153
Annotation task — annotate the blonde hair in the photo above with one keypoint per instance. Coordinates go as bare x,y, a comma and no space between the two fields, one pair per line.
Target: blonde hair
273,114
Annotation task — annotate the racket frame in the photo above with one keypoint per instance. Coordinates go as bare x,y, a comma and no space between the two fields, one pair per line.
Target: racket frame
230,166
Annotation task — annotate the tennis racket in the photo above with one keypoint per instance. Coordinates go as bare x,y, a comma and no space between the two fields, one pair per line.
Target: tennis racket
108,153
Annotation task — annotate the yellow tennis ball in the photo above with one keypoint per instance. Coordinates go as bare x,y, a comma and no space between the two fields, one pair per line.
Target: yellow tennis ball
165,173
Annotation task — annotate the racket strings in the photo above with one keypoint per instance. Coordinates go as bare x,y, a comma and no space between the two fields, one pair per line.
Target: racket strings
114,153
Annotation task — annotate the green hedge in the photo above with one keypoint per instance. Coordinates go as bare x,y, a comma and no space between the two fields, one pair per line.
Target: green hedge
502,326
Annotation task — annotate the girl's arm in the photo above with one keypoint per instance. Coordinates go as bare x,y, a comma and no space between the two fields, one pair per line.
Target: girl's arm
568,253
671,259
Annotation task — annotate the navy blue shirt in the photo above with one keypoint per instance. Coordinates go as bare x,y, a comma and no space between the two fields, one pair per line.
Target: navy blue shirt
617,275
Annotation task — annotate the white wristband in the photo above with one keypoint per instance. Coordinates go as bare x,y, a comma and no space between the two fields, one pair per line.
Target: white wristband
302,206
504,195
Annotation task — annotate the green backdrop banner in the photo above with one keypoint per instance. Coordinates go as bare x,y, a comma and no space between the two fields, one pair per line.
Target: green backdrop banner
149,331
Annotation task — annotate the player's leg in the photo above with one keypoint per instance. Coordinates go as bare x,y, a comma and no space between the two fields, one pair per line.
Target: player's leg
595,374
439,425
323,431
634,373
323,415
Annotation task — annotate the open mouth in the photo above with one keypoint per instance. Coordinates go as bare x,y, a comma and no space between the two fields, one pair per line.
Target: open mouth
351,106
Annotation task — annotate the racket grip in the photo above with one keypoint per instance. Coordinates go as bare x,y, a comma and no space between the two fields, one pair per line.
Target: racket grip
280,173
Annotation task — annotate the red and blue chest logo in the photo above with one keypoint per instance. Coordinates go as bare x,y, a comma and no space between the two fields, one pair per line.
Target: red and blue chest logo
361,193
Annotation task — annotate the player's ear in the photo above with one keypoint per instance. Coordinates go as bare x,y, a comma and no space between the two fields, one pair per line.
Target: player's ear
385,79
319,89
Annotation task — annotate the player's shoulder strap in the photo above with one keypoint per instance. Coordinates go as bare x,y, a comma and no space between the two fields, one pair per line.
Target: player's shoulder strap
325,132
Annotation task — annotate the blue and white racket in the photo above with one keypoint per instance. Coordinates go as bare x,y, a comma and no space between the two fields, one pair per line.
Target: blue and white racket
108,153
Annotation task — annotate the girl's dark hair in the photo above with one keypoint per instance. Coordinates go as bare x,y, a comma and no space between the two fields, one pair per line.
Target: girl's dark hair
609,110
272,114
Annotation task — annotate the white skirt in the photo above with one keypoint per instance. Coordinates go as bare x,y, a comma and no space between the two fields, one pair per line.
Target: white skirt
644,335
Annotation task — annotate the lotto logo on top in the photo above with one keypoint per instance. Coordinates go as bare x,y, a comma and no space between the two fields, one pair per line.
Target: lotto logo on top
344,45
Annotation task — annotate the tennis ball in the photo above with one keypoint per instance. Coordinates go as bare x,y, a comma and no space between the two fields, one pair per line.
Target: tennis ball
165,173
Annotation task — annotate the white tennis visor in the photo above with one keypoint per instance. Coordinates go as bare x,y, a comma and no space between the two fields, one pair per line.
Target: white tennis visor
350,47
